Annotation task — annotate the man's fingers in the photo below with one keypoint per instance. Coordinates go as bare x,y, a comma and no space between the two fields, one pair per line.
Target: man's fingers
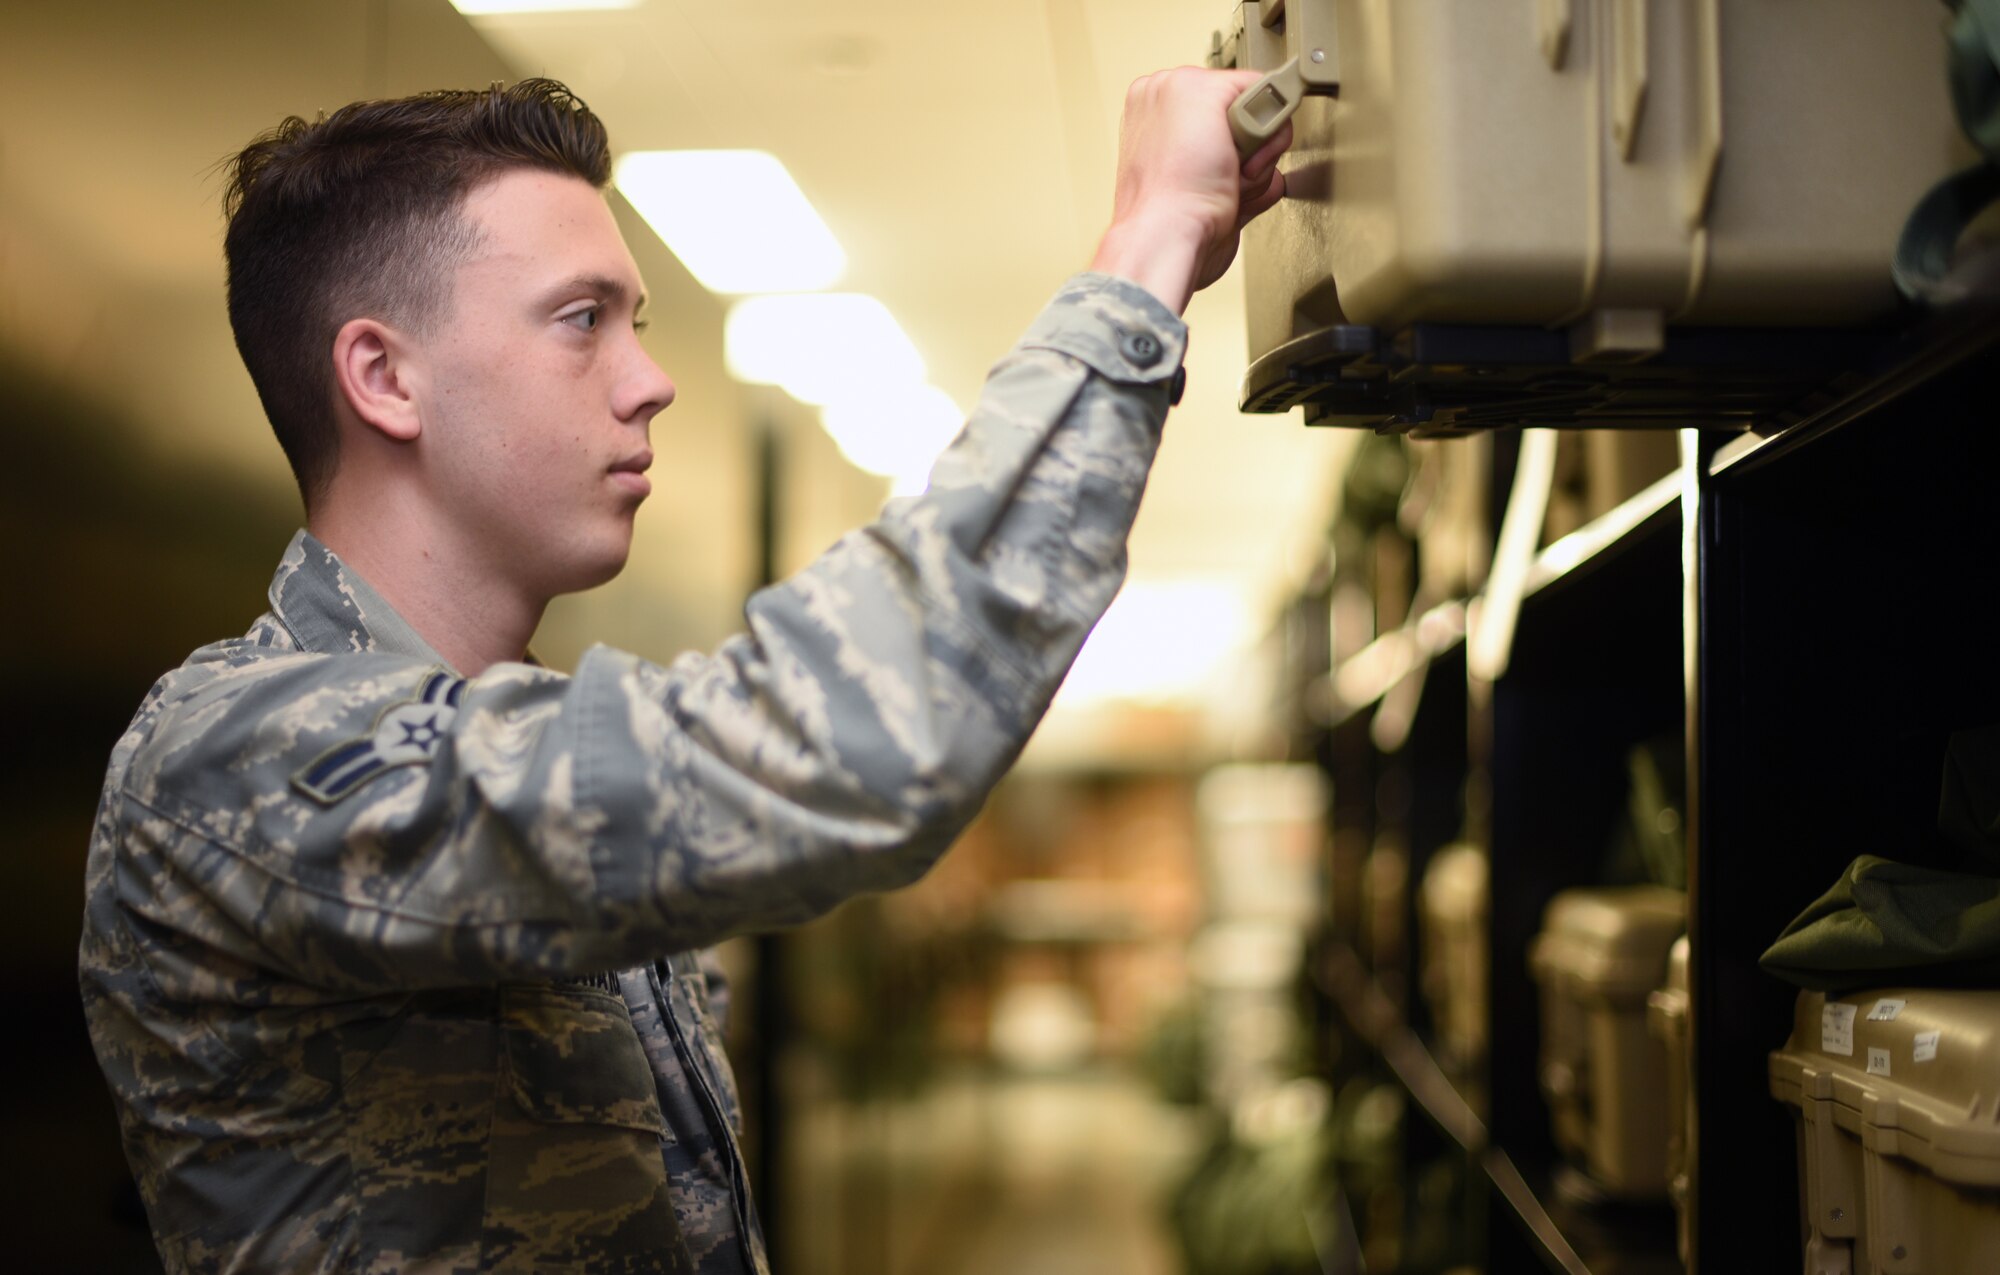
1251,206
1262,185
1260,163
1175,154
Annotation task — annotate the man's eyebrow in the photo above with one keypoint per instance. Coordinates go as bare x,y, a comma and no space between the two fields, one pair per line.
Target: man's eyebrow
600,285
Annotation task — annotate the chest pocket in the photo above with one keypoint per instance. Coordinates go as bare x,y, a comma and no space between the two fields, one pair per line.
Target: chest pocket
575,1180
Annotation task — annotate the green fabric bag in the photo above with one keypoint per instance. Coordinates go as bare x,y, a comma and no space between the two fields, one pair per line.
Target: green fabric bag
1886,922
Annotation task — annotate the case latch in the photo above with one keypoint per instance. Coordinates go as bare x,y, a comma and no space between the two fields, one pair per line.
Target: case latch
1306,32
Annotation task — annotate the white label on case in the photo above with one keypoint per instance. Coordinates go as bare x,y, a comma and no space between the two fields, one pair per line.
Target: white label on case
1885,1010
1878,1062
1926,1048
1836,1029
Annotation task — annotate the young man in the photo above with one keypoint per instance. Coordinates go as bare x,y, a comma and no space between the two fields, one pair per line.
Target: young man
391,941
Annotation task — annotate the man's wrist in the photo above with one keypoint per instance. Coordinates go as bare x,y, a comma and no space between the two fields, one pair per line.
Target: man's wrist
1158,253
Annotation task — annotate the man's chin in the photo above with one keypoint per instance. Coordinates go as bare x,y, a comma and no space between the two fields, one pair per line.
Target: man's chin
603,571
588,571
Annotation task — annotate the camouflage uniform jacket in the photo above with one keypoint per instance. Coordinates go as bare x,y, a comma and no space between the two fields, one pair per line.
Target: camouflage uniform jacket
390,969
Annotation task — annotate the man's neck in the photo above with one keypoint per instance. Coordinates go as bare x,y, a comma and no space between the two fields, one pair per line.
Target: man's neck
449,596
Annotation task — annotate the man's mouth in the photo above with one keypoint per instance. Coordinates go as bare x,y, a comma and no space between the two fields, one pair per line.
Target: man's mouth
630,473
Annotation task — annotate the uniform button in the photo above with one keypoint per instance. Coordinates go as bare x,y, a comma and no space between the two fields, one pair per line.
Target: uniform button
1177,387
1141,349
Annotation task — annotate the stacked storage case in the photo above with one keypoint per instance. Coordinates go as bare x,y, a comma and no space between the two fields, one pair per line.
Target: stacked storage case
1896,1094
1583,179
1600,955
1703,162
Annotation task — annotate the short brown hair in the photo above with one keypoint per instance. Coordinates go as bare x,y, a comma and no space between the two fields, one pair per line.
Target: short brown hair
359,214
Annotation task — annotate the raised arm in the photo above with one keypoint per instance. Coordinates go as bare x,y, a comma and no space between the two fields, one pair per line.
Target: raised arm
561,825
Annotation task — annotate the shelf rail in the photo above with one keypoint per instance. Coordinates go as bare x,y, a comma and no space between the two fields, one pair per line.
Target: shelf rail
1403,653
1375,1018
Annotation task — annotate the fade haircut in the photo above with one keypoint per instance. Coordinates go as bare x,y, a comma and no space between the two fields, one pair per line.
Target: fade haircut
360,215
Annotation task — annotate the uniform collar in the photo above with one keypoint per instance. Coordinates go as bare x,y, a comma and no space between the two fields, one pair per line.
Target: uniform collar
330,610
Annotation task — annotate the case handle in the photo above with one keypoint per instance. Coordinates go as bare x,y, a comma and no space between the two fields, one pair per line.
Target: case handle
1262,109
1308,29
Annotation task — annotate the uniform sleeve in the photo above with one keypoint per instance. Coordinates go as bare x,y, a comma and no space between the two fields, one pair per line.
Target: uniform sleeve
527,824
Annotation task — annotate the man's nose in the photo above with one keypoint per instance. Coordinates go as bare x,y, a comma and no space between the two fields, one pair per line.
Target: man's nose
646,390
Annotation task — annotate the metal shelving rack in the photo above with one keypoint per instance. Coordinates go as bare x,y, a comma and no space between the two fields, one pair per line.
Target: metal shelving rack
1809,610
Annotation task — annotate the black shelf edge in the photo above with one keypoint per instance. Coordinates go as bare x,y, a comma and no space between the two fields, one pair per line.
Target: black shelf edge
1597,539
1526,1208
1923,353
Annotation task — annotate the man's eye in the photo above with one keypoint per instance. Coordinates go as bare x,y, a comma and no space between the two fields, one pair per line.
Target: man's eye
583,320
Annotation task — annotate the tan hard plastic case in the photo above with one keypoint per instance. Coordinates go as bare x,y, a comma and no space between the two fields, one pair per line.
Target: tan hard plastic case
1600,954
1566,163
1899,1130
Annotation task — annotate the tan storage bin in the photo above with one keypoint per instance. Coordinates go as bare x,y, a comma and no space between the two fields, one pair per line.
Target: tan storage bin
1896,1094
1541,162
1667,1015
1453,910
1600,954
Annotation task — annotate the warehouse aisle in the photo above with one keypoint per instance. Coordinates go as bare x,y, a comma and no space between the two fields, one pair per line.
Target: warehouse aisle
991,1173
1076,1171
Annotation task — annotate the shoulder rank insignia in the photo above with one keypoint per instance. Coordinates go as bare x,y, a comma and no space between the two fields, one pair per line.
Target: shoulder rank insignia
407,732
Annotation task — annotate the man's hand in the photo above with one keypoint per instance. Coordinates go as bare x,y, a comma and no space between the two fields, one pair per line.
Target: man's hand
1183,192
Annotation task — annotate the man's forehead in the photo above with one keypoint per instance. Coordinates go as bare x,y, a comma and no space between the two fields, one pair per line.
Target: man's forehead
551,224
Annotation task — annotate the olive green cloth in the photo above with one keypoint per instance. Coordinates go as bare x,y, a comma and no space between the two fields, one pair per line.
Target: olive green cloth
1885,921
1888,922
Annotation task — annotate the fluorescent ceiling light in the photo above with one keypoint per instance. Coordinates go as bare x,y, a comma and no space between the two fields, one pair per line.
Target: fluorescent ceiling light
736,219
483,8
822,347
897,433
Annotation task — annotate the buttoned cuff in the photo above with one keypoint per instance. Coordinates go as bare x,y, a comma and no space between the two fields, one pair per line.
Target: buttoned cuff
1119,329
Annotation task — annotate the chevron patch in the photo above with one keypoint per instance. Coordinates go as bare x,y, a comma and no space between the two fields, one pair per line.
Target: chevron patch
406,733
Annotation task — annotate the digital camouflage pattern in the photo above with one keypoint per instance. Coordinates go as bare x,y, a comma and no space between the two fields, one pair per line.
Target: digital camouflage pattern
393,970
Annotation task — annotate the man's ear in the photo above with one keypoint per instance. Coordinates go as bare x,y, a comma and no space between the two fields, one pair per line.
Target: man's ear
375,369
